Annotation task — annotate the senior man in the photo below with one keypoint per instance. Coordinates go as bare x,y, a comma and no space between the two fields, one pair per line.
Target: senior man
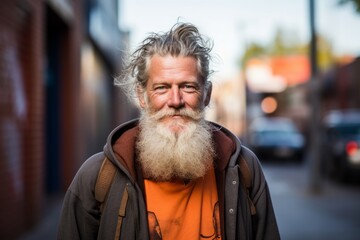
178,176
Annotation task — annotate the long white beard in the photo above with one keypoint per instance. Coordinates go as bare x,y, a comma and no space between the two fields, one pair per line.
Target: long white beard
165,155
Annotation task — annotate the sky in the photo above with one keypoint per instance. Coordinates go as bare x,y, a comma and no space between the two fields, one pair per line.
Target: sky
231,24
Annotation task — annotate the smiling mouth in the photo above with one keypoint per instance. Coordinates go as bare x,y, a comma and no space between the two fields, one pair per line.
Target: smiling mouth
175,117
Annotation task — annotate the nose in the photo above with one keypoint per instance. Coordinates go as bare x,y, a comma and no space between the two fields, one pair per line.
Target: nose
175,99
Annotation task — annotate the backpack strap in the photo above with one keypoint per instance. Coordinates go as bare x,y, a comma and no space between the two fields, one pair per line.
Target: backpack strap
247,181
122,211
104,181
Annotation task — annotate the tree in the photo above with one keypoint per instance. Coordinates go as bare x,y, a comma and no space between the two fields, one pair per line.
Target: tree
356,4
325,54
286,43
253,50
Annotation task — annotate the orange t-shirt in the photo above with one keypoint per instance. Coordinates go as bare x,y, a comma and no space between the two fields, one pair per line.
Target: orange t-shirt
183,211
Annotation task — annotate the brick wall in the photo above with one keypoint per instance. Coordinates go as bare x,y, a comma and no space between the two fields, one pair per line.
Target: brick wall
24,58
31,46
70,88
22,116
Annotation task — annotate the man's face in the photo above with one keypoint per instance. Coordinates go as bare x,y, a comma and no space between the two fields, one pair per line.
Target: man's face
174,84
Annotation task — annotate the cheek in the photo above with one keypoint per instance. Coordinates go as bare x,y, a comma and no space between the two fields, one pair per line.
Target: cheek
157,102
194,101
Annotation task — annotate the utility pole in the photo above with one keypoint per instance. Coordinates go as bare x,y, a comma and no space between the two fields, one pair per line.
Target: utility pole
314,154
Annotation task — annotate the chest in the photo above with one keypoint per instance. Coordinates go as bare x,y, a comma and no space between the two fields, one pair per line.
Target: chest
183,211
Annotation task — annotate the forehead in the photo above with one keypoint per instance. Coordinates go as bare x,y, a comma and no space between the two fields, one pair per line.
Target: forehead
173,67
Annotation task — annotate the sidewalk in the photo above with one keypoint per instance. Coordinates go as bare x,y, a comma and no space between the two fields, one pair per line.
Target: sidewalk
47,227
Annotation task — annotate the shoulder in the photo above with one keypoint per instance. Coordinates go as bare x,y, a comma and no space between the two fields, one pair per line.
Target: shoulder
92,164
258,181
85,179
250,157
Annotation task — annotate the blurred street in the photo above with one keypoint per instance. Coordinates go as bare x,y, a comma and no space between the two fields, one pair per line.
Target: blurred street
59,61
333,213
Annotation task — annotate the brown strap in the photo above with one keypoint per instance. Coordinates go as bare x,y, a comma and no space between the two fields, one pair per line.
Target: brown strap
122,211
104,180
252,206
245,173
247,181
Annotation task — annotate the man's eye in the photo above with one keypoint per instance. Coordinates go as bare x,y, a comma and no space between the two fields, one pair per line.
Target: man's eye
189,88
160,88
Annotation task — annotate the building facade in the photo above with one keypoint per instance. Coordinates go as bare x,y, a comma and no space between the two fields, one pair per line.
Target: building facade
56,99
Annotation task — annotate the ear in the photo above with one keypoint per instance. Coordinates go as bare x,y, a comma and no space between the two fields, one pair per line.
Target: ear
208,91
140,94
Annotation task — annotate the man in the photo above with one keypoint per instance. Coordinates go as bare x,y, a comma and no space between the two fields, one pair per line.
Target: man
180,173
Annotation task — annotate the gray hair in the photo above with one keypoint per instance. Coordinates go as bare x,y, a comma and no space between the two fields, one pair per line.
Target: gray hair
183,39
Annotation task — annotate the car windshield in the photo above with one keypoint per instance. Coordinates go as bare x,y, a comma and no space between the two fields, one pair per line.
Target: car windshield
276,132
275,129
346,130
278,128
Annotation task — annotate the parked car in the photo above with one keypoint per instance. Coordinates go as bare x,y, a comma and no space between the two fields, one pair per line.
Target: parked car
276,138
341,144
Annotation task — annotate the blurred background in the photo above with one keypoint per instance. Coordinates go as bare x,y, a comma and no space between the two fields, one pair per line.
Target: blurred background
286,81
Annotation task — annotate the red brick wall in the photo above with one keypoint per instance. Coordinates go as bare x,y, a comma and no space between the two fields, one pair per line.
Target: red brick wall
31,45
70,88
22,116
23,145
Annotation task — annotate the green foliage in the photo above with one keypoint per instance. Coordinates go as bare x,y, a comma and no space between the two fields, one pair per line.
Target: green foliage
286,43
356,4
253,50
325,55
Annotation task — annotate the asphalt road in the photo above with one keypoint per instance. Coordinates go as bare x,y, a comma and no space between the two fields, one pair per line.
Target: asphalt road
330,214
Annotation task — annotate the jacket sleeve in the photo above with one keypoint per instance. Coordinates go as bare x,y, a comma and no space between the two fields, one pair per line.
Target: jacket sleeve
264,222
80,215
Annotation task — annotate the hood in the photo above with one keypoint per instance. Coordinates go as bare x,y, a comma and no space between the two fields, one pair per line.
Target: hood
119,147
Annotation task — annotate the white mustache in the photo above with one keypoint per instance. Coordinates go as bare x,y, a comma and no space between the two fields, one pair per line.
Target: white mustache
184,112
